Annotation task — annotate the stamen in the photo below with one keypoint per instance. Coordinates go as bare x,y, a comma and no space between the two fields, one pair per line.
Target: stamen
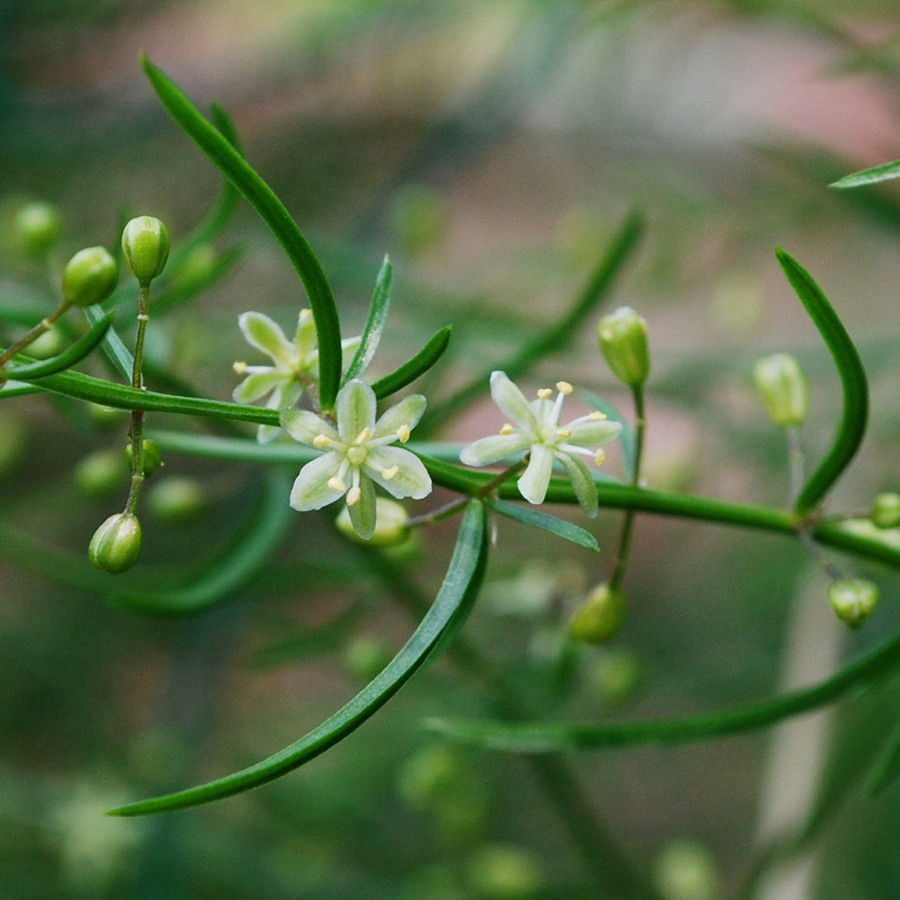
321,440
507,429
564,432
597,416
337,484
390,472
544,393
564,387
305,314
363,436
240,368
599,456
353,495
403,432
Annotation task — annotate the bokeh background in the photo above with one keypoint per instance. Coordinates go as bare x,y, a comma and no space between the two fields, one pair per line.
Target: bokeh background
492,149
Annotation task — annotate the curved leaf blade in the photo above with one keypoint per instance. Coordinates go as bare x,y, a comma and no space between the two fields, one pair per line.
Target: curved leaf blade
538,519
415,367
274,213
371,336
452,604
65,360
854,384
875,175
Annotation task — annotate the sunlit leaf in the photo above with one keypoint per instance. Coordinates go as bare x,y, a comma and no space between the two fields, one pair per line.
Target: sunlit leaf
378,311
884,172
538,519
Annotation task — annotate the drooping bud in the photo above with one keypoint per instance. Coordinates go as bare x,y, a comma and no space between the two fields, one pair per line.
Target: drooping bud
90,277
783,389
116,544
391,526
145,243
886,511
623,342
38,226
600,616
853,599
152,456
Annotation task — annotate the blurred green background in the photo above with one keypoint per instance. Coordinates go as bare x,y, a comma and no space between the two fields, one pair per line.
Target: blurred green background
492,149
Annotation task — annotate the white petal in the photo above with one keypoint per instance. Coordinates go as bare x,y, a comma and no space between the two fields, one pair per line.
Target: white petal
266,335
305,426
363,513
411,479
257,385
493,448
310,490
355,409
407,412
536,477
512,401
267,433
592,434
582,482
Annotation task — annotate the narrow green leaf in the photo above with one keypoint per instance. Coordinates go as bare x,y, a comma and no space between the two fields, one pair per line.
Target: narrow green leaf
274,213
627,436
415,367
887,770
556,337
565,737
452,604
855,386
113,346
378,311
232,572
876,174
69,357
538,519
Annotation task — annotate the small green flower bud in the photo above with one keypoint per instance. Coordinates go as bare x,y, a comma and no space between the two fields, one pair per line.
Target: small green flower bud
177,499
47,344
390,524
152,457
783,389
600,617
853,599
145,243
38,226
886,511
100,474
364,657
616,676
686,870
90,277
623,343
505,872
116,544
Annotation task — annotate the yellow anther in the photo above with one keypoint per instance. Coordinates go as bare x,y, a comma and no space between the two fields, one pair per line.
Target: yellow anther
240,368
353,495
321,440
597,416
305,315
506,429
403,432
564,387
390,472
337,484
544,393
599,456
564,432
363,436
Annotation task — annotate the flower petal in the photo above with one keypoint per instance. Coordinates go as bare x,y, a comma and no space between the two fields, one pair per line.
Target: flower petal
257,385
311,490
536,477
305,426
305,338
512,401
591,434
363,513
355,409
411,478
267,433
266,335
491,449
407,412
582,482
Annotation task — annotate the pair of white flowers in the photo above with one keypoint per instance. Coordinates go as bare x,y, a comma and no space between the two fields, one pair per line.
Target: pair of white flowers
358,447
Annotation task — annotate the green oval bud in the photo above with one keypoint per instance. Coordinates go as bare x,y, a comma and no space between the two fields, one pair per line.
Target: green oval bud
100,474
886,511
505,872
177,499
152,457
600,617
686,870
783,389
90,277
623,343
364,657
853,599
391,526
116,544
145,243
38,226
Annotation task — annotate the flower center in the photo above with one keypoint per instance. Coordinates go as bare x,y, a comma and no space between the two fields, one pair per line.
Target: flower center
357,455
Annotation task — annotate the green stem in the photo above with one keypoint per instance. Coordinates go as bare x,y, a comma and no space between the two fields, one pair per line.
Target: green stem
33,334
137,415
625,538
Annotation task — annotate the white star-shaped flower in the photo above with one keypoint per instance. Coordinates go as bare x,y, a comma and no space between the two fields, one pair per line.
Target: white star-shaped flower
358,454
535,429
296,363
